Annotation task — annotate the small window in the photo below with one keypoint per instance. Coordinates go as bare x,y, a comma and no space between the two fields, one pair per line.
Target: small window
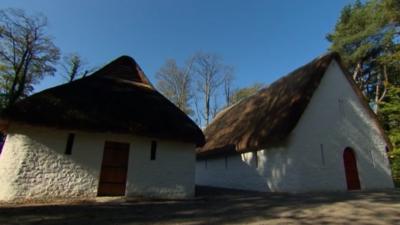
322,154
70,143
388,156
372,157
153,150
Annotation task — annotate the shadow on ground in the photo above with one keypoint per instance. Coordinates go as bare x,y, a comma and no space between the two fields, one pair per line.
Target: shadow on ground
220,206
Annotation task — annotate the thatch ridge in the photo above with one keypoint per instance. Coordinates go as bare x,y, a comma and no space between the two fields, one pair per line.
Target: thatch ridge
267,118
117,98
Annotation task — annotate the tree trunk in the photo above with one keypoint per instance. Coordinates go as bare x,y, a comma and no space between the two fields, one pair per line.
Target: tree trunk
380,94
377,94
21,82
356,71
12,92
385,83
207,109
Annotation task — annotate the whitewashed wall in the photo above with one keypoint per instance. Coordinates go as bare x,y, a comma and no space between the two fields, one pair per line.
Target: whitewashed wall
171,175
273,172
33,165
333,120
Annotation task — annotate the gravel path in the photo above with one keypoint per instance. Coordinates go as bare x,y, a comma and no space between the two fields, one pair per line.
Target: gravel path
218,206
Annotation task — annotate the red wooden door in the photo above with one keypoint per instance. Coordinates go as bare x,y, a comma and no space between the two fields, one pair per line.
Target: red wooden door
114,169
350,166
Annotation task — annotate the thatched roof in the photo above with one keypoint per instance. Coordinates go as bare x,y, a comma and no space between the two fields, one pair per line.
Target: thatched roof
266,118
117,98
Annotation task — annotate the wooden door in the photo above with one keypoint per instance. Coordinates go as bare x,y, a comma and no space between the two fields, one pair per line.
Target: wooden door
114,169
350,166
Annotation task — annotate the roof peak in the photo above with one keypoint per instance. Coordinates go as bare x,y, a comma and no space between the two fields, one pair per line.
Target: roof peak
267,117
125,59
117,98
123,67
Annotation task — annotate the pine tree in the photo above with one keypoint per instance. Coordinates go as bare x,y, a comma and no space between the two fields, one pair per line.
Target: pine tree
367,37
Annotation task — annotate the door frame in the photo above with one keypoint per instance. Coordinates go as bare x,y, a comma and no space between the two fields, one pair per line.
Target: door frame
351,169
114,146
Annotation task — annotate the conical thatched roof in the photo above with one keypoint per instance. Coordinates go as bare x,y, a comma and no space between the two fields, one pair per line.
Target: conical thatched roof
117,98
267,118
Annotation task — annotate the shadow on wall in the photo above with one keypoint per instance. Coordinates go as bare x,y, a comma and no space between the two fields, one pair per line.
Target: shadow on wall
273,170
272,167
368,137
268,170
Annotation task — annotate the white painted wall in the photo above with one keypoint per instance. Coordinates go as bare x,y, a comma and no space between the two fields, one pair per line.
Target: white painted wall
334,119
33,165
273,172
171,175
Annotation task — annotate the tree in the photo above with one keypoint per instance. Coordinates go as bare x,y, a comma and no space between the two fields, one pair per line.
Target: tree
392,10
245,92
175,83
210,75
74,67
228,82
390,117
27,54
365,36
196,87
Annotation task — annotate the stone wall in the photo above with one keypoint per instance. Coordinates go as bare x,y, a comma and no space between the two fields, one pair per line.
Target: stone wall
33,165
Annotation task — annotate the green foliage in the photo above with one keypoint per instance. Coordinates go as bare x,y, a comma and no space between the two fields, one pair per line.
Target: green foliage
390,113
74,67
27,54
367,36
357,32
4,86
390,116
392,9
245,92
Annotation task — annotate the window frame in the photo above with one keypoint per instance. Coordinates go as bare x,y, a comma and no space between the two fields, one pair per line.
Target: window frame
153,150
70,144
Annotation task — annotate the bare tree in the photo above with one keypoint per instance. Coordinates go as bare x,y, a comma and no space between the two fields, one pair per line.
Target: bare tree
209,71
216,107
74,67
27,54
195,87
175,83
198,116
228,82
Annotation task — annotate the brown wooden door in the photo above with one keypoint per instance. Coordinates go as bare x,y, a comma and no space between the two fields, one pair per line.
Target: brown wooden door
114,169
350,166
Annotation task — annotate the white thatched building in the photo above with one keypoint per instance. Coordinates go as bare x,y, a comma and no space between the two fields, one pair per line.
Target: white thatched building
110,133
309,131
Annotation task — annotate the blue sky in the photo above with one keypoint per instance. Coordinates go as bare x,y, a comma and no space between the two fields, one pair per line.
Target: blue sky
263,40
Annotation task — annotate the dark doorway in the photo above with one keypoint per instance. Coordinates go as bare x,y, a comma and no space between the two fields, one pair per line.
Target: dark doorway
350,166
114,169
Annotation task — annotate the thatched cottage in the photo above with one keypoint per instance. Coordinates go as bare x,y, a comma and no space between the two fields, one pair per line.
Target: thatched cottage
311,130
108,134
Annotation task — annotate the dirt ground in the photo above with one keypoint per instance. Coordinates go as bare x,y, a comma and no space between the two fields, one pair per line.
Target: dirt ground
218,206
